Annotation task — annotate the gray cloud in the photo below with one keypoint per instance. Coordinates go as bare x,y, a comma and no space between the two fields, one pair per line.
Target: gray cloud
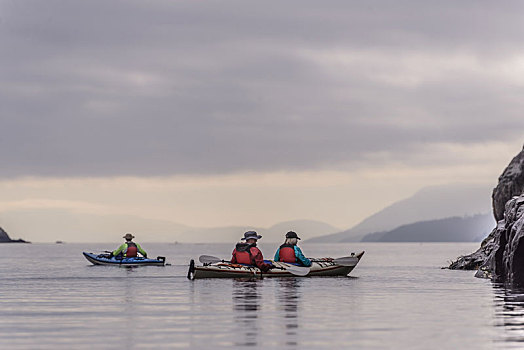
135,88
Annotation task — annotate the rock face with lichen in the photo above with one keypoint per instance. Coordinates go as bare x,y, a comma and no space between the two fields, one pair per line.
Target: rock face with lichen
501,255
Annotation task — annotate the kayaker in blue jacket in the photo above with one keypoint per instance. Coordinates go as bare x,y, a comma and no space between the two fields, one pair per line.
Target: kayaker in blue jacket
129,249
289,251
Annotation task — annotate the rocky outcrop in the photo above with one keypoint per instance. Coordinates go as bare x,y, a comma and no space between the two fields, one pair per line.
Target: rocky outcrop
501,254
4,238
505,262
511,183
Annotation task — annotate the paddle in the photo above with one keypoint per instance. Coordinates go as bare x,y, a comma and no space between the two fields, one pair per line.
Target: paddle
295,270
208,259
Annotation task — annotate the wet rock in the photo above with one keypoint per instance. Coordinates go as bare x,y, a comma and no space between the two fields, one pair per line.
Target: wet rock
506,261
477,259
501,255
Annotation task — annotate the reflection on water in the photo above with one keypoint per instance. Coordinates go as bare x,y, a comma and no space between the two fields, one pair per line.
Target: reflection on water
509,312
129,303
248,313
288,299
246,304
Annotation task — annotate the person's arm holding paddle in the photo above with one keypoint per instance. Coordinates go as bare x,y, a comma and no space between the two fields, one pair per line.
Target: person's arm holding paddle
119,250
300,257
259,259
140,250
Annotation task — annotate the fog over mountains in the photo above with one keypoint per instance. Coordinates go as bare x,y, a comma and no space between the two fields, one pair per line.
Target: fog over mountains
429,203
456,229
73,226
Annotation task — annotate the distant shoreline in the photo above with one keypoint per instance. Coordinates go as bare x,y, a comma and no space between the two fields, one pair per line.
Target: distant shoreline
15,241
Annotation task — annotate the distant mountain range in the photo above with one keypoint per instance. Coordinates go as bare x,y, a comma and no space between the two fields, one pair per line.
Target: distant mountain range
456,229
275,233
430,203
64,225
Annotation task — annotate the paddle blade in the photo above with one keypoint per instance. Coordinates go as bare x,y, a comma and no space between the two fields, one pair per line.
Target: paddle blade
295,270
346,261
208,259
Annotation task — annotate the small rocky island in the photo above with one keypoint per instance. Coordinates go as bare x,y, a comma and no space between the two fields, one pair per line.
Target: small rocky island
4,238
501,254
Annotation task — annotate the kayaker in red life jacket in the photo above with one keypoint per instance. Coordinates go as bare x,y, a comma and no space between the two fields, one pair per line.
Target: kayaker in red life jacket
248,253
289,251
129,249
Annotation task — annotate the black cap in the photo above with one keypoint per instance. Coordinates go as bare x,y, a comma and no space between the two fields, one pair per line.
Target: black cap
292,234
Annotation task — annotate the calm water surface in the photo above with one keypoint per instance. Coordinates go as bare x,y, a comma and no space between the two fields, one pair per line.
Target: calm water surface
397,298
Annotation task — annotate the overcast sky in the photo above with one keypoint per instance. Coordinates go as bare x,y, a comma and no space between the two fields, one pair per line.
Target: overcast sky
232,92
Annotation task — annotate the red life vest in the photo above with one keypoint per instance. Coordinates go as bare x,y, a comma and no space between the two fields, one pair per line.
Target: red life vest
132,250
287,253
243,254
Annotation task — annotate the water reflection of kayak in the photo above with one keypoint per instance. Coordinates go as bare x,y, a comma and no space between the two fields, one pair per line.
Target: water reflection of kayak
103,259
320,267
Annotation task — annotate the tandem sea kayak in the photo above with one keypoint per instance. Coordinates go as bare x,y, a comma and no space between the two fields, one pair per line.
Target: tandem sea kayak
103,259
320,267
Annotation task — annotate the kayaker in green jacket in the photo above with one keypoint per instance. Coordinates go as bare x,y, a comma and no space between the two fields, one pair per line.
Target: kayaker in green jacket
129,249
